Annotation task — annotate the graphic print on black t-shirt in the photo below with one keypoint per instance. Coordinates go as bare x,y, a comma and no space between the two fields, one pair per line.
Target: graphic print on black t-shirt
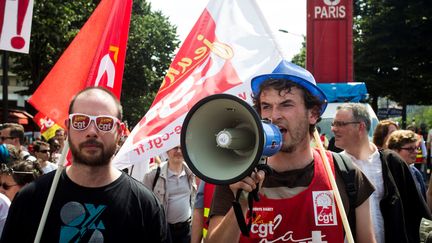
82,222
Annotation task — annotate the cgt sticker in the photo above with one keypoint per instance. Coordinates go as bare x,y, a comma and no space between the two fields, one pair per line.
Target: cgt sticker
324,208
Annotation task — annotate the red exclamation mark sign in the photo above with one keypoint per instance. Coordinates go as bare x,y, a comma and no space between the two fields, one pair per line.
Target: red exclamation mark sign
18,42
2,14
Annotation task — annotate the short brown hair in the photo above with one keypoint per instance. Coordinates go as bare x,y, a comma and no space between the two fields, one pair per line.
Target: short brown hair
399,138
381,132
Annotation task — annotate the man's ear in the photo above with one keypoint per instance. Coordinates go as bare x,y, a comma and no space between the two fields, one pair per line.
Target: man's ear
314,115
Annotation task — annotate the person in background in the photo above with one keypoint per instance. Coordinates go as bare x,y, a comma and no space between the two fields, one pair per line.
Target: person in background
60,135
396,205
197,234
94,201
404,142
382,132
8,154
13,133
42,153
16,175
4,209
175,187
324,140
55,152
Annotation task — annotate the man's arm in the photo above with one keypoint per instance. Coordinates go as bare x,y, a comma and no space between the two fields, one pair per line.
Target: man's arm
225,228
364,229
197,225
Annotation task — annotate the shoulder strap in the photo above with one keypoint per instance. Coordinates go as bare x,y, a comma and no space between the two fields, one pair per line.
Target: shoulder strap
347,172
156,177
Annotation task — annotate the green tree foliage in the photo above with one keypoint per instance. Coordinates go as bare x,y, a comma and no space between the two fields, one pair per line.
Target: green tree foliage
300,58
152,42
392,49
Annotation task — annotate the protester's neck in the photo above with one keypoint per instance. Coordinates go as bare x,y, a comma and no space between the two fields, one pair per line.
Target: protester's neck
362,150
90,176
42,162
175,166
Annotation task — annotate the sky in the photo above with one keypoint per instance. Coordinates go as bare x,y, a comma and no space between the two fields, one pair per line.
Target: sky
289,15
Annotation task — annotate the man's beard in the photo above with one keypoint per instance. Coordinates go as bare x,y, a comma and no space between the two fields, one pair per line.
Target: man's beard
297,135
102,159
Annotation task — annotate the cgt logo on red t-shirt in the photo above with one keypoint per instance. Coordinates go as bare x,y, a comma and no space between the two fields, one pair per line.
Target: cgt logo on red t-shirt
324,208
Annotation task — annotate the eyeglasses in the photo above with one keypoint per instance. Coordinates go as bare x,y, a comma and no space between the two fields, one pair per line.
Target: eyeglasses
4,138
6,186
342,123
104,123
411,149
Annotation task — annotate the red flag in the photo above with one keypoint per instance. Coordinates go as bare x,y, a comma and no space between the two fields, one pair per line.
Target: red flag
228,45
94,58
47,126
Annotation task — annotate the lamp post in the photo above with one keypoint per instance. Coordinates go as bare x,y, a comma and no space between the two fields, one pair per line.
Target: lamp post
287,32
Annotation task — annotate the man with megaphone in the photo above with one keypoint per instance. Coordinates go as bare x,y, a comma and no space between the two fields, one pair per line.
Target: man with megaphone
297,201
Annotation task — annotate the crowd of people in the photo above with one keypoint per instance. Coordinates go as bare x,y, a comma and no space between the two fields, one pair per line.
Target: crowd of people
384,195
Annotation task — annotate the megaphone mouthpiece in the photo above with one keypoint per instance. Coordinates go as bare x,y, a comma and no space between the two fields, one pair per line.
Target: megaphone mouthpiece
235,138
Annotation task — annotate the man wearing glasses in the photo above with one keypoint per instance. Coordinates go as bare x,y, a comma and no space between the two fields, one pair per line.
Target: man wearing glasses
396,205
94,202
13,133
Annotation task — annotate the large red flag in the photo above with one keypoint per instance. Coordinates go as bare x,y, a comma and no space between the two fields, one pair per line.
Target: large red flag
94,58
230,43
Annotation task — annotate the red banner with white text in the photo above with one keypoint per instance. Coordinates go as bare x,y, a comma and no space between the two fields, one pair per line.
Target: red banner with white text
228,45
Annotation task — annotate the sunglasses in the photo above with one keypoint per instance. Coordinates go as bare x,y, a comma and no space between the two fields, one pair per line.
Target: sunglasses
104,123
6,186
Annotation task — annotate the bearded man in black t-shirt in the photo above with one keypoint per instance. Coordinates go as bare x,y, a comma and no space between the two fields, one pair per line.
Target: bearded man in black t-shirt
93,202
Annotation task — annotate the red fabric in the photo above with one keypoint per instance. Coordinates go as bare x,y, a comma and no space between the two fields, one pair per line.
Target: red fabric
98,50
310,216
208,197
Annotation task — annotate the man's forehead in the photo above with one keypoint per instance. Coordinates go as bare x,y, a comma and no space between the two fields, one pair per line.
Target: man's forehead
94,101
344,112
271,93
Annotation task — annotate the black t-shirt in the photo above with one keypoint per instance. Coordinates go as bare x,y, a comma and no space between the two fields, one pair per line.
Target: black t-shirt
123,211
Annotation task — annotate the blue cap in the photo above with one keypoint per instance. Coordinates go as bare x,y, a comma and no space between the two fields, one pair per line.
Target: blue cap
4,154
294,73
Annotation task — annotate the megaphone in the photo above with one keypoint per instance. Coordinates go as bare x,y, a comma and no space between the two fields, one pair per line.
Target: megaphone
223,139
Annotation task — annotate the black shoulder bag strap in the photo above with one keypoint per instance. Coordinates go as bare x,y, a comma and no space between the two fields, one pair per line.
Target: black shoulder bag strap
252,196
347,172
156,177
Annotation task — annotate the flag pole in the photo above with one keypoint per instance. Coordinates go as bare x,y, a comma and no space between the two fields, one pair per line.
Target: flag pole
52,192
336,193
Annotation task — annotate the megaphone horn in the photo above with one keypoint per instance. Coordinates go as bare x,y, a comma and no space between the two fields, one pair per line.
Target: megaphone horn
223,139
